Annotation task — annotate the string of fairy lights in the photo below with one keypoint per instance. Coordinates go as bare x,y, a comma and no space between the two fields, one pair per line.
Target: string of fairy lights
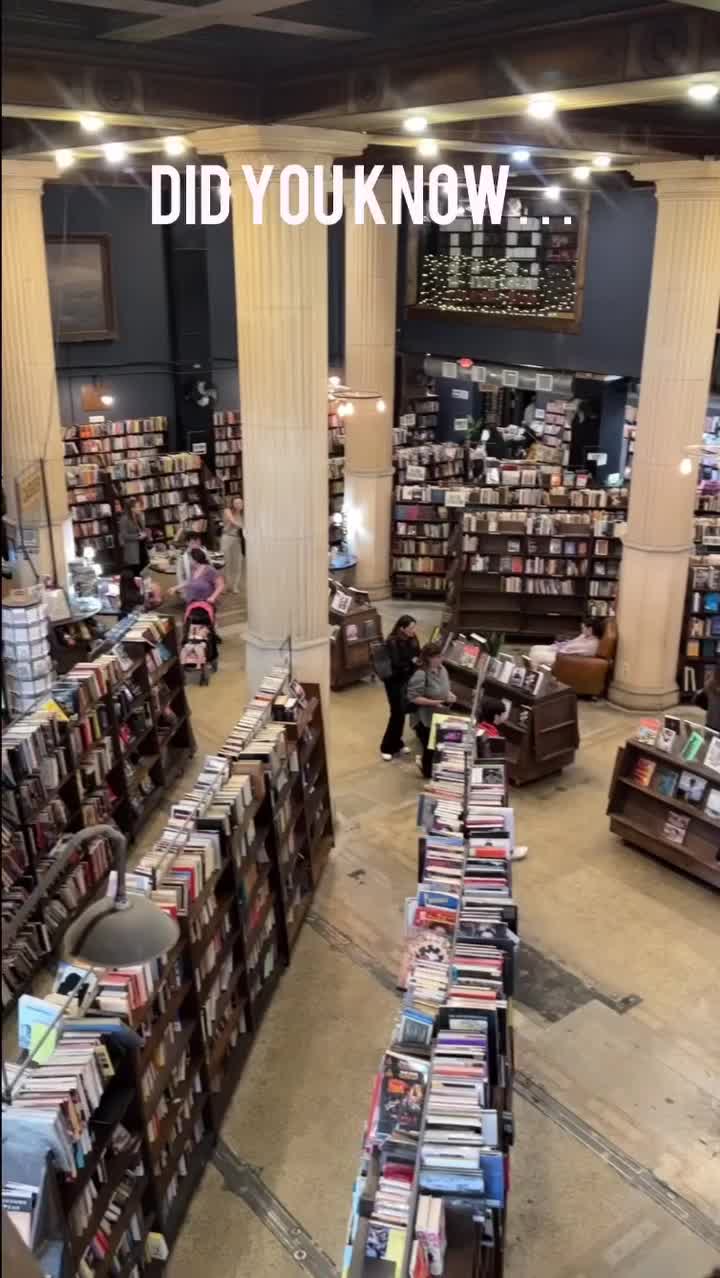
487,278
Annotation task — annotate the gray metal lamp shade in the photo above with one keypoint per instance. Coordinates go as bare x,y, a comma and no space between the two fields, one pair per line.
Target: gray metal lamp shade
119,932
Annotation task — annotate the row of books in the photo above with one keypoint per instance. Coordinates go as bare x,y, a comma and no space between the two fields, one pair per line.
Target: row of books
433,1175
681,739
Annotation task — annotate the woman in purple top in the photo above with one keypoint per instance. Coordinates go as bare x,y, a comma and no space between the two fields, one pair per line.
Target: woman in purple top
205,584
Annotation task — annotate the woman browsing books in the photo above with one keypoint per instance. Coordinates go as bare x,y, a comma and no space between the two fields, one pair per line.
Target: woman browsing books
403,650
428,691
232,543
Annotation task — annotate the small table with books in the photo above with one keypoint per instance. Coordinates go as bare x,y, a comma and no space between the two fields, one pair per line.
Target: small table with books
541,730
665,795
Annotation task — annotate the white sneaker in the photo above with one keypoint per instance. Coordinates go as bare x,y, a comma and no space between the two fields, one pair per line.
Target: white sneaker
386,757
405,750
519,853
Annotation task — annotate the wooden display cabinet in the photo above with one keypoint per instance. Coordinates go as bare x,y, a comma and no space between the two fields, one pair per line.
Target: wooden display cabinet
352,637
639,813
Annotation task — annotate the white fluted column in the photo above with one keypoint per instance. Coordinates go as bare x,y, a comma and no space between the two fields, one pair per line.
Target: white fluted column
370,322
282,325
30,412
677,361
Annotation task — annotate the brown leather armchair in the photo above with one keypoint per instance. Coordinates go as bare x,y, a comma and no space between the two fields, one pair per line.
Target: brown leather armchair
589,676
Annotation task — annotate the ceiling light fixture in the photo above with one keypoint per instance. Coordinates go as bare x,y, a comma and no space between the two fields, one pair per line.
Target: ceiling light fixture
705,92
552,192
428,147
64,159
521,156
582,172
542,106
602,161
115,152
91,123
175,146
415,124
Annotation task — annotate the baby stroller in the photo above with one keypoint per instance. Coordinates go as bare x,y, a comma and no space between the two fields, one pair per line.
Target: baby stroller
199,650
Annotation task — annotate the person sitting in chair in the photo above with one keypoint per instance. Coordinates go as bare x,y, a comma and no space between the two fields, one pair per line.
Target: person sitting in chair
585,644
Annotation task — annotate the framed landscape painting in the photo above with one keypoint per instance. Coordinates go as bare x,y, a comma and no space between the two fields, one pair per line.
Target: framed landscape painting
81,296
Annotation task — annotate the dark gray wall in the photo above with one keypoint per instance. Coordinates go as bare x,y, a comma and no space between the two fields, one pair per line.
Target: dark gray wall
617,284
136,365
223,321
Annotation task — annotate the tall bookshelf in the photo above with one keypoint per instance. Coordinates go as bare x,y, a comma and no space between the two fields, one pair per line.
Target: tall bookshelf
526,574
420,531
227,430
173,492
116,735
336,501
700,639
93,505
418,422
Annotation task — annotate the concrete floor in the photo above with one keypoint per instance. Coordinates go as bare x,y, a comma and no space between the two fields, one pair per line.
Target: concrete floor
616,1170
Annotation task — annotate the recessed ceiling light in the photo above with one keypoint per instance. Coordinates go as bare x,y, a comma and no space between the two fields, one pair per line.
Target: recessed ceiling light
552,192
415,124
520,157
64,159
175,146
91,123
428,147
115,152
705,92
542,106
602,161
582,172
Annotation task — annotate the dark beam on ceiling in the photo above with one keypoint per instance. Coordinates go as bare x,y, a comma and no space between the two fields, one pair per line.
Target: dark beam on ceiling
599,52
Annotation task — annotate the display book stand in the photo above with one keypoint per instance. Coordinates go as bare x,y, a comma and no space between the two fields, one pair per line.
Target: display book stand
700,641
104,743
665,795
403,1144
238,863
541,731
354,626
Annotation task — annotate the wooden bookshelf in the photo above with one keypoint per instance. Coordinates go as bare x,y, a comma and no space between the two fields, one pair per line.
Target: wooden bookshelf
352,636
419,542
639,813
200,1014
541,734
94,504
227,431
117,757
505,579
700,637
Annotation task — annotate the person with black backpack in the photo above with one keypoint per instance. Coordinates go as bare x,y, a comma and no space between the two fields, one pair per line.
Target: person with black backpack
402,650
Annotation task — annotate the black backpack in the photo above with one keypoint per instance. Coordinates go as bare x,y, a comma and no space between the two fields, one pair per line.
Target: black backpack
380,658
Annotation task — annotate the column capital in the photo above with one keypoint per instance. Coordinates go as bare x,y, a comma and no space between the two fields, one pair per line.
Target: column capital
26,175
681,179
278,144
